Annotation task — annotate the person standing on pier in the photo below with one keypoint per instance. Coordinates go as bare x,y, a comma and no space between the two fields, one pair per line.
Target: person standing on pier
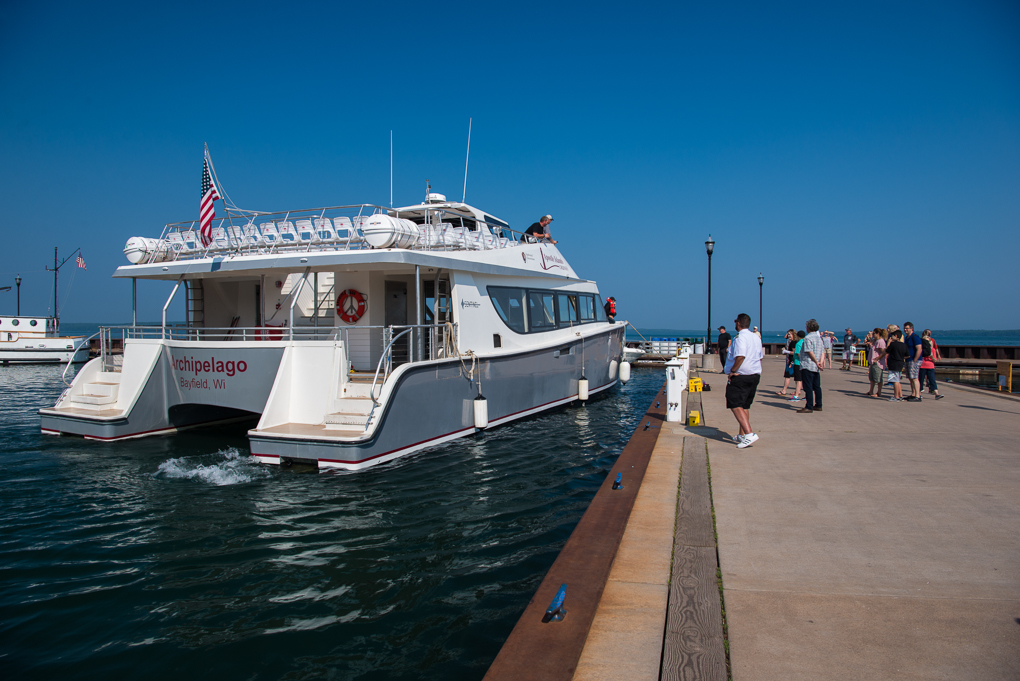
811,360
876,362
929,353
743,366
724,345
914,350
827,339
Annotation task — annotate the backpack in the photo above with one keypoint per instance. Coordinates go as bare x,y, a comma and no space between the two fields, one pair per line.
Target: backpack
925,347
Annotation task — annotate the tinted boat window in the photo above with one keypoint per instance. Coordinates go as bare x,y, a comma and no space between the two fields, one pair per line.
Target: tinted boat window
541,310
587,308
509,304
567,309
600,312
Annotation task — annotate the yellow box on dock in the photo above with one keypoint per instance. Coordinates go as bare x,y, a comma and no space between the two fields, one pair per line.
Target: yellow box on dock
693,419
694,385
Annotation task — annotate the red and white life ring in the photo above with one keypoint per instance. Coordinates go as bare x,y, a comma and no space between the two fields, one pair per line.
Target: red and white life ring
350,306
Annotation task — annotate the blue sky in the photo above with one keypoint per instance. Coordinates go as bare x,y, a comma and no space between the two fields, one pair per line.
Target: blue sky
864,157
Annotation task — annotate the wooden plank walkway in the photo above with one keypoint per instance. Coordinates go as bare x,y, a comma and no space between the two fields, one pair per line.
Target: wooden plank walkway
693,645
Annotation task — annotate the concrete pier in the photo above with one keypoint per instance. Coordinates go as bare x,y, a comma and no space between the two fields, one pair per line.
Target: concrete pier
872,540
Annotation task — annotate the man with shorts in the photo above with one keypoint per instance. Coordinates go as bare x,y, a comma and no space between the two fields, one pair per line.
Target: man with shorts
913,368
743,366
724,345
849,343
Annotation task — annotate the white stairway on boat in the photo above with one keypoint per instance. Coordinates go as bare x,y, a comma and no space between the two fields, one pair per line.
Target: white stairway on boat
354,409
99,395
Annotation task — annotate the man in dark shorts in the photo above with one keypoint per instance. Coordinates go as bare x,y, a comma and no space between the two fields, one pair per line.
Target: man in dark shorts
539,231
743,366
724,345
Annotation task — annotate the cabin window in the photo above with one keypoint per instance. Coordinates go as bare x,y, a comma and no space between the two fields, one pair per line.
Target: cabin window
541,310
497,340
600,312
509,304
567,309
16,322
33,323
587,310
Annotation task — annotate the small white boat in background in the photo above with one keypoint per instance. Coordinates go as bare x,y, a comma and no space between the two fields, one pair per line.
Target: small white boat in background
35,340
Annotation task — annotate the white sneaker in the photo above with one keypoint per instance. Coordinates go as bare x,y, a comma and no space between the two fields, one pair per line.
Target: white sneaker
738,438
747,440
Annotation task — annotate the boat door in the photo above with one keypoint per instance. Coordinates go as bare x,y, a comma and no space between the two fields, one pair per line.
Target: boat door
396,316
438,308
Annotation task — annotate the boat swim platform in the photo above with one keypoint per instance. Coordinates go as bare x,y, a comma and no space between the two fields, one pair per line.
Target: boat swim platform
869,540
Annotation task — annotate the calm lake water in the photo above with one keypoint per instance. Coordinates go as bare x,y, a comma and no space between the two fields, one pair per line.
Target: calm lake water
178,558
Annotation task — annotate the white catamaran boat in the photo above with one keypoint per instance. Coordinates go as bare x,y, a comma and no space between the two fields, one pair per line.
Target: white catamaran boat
358,334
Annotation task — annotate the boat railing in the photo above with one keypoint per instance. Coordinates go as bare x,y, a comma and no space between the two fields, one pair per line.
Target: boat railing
336,228
362,343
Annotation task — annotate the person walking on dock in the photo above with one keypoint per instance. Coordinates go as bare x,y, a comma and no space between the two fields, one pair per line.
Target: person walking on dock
896,353
724,345
743,367
811,359
791,343
929,353
913,368
876,362
849,349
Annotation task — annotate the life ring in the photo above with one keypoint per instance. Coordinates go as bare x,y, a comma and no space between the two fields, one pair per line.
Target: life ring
350,306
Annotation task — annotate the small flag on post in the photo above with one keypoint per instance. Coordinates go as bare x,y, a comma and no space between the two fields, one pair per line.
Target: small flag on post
81,263
208,211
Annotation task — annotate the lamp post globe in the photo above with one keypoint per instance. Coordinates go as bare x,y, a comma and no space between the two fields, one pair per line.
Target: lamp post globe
17,281
709,247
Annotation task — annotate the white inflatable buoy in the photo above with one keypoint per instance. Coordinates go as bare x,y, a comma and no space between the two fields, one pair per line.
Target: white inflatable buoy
624,372
481,412
140,249
612,369
582,389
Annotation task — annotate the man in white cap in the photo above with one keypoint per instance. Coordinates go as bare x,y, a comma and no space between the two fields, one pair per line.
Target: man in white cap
540,230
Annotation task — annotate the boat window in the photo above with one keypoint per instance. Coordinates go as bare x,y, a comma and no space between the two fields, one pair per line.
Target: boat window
509,304
16,322
567,309
541,310
600,312
587,310
33,323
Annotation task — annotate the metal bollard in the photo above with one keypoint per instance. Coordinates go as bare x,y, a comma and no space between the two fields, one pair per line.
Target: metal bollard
619,481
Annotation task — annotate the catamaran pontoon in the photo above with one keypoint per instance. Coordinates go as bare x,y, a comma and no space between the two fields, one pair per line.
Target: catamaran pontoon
358,333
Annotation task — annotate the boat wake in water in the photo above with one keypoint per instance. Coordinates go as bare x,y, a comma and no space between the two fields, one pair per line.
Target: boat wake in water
225,467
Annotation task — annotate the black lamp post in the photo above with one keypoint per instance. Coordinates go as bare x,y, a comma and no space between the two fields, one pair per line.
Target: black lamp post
17,280
709,247
761,325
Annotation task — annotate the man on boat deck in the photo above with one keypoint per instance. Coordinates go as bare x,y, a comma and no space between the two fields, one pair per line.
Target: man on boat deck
539,230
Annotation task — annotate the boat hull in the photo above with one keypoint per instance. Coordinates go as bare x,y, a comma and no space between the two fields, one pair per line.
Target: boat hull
432,403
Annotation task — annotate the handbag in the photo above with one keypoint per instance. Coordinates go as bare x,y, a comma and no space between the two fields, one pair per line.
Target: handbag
789,371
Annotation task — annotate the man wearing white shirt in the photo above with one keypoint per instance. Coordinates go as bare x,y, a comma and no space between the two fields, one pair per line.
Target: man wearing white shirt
743,366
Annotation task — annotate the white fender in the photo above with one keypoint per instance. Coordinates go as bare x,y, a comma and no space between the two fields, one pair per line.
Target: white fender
582,389
481,412
624,372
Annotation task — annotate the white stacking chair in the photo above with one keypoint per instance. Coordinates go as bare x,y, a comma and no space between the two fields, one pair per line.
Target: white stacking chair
288,236
305,231
324,232
176,243
236,234
220,239
252,237
343,228
191,241
270,237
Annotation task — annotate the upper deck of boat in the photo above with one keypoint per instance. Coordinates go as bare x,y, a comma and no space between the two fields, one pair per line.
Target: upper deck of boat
446,235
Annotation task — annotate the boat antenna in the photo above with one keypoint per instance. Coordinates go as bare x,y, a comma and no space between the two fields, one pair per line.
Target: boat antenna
463,197
391,169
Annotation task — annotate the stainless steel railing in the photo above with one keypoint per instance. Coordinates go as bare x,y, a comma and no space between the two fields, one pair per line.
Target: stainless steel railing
365,344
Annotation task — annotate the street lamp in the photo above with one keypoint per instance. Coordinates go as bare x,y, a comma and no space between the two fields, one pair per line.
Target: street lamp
709,247
17,280
761,326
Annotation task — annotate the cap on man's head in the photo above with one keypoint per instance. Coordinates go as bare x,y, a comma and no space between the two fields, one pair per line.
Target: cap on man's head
547,217
848,328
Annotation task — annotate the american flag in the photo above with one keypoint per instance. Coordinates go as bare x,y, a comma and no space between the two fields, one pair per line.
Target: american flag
208,211
81,263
